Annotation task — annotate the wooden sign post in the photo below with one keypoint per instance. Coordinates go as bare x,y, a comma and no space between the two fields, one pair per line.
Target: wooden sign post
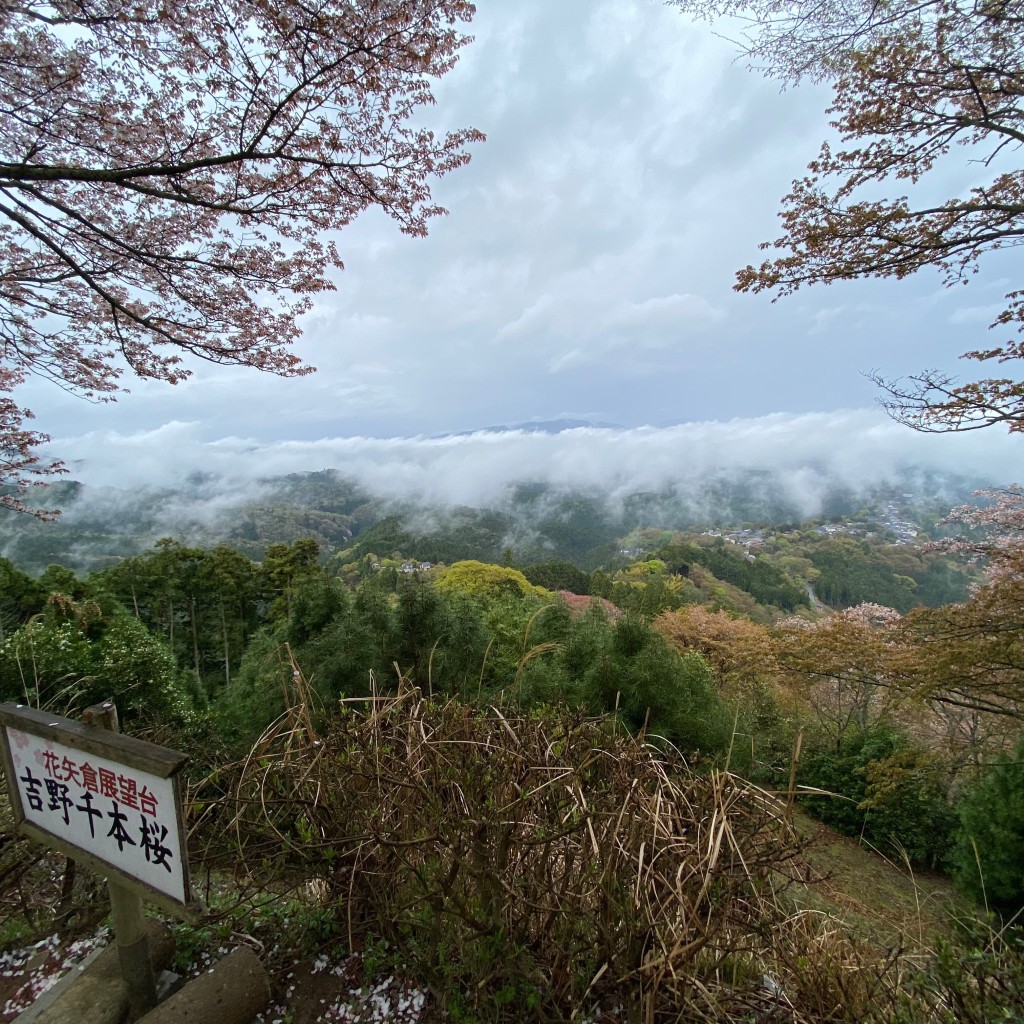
112,802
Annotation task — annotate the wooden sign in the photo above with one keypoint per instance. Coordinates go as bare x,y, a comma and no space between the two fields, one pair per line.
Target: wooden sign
107,799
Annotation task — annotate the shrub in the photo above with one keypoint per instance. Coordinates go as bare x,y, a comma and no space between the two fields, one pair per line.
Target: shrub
887,791
67,665
527,866
989,859
975,976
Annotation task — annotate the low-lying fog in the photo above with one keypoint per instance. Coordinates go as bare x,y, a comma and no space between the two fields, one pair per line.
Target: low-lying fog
806,454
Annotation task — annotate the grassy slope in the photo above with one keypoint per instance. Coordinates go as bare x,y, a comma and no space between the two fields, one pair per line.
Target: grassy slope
874,897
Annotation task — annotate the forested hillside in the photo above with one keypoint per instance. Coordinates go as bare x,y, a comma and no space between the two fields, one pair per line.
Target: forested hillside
864,654
528,524
717,646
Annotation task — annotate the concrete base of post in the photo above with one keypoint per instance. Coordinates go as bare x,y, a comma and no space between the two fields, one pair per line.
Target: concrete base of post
233,991
97,994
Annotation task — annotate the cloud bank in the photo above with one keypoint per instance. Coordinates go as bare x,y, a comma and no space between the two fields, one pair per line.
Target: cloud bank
806,454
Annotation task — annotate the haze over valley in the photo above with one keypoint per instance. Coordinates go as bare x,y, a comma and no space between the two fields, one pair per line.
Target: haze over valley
537,483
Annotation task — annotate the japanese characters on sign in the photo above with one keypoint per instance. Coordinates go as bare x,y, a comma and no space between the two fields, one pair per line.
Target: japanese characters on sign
122,815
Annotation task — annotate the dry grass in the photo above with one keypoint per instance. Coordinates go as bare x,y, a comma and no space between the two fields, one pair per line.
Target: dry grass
543,866
539,862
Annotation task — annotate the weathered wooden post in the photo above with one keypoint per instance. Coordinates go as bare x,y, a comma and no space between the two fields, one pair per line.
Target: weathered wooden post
126,907
112,802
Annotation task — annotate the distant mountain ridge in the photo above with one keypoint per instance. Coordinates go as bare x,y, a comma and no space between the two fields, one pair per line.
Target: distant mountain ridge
556,426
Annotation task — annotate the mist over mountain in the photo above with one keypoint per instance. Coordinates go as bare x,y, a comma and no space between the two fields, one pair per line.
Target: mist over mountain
567,490
856,448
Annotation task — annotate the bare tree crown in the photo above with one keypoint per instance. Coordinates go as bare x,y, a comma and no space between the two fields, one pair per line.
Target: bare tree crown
916,82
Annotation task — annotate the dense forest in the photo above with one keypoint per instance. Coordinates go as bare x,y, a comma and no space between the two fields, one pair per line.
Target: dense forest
216,635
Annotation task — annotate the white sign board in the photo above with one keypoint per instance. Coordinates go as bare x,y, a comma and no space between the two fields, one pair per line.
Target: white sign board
123,816
117,813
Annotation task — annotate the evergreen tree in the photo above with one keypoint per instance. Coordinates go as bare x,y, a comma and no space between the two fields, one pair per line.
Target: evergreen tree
21,597
989,857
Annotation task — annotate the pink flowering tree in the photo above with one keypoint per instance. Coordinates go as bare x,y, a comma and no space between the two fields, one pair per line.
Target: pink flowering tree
995,528
171,176
920,89
839,666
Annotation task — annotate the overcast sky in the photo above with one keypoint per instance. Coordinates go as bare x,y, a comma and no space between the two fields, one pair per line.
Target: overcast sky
587,264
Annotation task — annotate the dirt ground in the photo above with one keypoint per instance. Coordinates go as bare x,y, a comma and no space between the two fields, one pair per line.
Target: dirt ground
317,991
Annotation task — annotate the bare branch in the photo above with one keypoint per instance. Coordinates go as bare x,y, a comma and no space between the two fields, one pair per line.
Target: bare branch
912,79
